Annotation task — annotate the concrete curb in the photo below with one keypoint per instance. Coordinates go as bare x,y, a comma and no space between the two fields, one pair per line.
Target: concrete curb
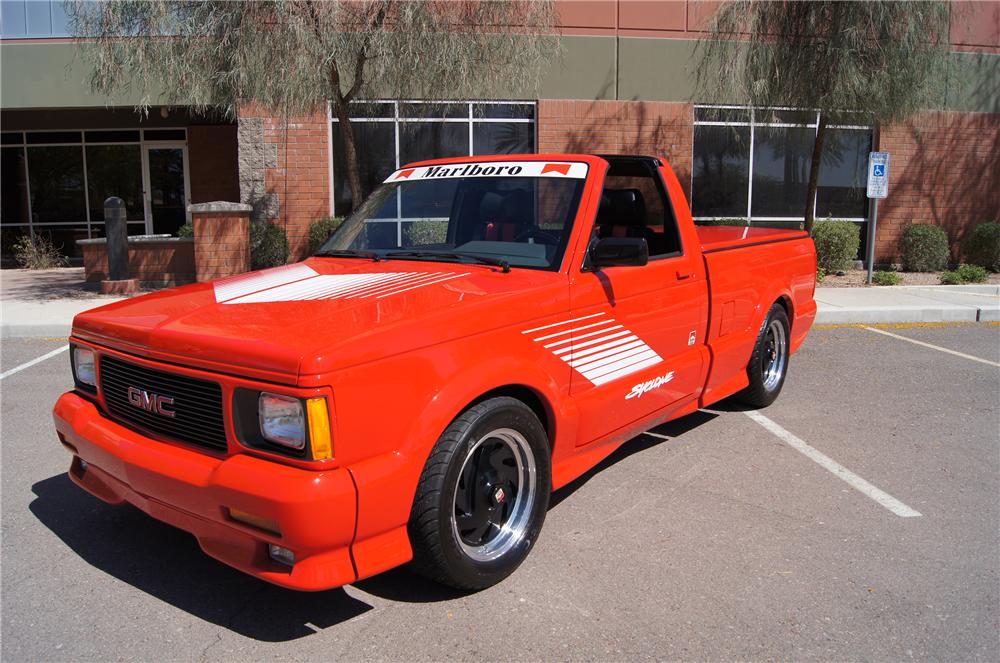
962,303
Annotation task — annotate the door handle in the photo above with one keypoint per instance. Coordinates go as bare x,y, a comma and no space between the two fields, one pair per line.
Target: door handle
681,276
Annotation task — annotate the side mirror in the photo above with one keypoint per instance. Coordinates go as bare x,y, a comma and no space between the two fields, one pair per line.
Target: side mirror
619,252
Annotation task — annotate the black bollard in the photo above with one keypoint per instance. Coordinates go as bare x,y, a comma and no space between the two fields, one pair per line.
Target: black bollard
114,227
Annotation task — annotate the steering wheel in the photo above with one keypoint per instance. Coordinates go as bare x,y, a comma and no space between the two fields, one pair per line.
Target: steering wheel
539,234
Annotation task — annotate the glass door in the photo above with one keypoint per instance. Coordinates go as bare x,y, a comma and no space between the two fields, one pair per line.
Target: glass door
166,188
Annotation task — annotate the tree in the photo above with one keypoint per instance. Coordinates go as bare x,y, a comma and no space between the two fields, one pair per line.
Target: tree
292,56
877,61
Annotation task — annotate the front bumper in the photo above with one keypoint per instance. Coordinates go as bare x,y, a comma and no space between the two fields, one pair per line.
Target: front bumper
315,510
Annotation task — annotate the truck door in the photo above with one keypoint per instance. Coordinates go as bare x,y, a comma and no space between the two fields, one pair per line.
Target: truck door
635,344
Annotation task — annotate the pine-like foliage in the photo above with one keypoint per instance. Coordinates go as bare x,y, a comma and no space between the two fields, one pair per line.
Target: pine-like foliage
292,56
876,61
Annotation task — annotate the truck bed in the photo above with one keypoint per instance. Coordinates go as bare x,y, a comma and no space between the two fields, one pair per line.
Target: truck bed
720,238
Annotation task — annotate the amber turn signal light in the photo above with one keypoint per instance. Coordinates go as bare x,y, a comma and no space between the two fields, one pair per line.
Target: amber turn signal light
319,429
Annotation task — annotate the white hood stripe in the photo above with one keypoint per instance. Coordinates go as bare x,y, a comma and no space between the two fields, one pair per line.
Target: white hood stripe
284,285
244,284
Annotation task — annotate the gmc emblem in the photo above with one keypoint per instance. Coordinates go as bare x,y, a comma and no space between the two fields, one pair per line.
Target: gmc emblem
150,402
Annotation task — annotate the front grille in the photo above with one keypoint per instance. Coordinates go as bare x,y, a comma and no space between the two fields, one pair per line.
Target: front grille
197,404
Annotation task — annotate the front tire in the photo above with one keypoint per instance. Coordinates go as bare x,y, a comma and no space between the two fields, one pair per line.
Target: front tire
482,496
769,362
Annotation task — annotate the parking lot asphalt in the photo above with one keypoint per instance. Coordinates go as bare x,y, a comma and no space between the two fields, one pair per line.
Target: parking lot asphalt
714,538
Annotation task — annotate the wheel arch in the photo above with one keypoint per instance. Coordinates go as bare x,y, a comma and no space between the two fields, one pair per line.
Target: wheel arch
536,401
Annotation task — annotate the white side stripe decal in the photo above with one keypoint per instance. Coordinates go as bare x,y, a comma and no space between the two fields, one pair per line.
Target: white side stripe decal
297,285
609,352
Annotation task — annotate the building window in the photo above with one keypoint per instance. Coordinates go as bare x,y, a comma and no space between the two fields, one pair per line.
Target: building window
55,182
753,164
390,134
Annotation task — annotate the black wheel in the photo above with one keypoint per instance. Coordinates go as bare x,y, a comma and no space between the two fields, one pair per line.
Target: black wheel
482,497
769,362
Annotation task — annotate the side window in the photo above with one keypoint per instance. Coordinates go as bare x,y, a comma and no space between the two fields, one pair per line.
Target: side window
634,204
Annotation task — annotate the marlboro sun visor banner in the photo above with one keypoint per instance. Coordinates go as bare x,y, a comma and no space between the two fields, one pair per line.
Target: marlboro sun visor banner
559,169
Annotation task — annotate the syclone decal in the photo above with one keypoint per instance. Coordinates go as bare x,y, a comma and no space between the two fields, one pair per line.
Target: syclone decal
649,385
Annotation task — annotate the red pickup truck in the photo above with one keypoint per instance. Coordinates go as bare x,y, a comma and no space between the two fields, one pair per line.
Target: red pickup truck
478,333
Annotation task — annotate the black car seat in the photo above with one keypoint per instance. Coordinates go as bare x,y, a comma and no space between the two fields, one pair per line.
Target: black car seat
512,218
622,213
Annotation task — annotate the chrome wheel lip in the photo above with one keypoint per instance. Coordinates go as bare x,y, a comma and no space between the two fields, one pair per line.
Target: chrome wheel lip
776,355
515,529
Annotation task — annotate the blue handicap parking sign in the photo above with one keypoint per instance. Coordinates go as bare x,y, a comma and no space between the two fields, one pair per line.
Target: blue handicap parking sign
878,170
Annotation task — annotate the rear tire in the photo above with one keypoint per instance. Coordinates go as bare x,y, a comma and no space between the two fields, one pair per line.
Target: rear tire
769,363
482,496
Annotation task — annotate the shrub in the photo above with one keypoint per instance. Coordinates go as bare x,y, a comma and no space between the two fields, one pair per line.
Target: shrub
425,232
38,252
268,245
820,274
965,274
321,229
924,248
982,246
187,230
837,244
973,274
886,278
951,278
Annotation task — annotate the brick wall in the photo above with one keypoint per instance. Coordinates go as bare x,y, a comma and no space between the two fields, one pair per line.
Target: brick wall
656,128
945,170
167,261
222,246
212,159
285,171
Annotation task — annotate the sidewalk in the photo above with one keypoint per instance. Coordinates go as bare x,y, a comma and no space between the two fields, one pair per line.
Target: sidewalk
939,303
43,303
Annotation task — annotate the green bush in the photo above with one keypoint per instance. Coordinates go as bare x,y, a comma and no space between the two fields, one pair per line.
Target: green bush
38,252
951,278
187,230
924,248
820,274
425,232
973,273
321,229
965,274
982,246
837,244
886,278
268,245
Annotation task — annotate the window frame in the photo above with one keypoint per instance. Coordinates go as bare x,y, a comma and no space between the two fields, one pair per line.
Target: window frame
753,124
398,119
85,219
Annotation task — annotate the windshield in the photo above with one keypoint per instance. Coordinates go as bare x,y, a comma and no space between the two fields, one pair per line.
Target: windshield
520,213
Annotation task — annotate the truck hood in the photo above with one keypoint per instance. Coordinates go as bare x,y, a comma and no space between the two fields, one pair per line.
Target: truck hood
292,324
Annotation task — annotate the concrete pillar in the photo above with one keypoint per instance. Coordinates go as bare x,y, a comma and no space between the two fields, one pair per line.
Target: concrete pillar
221,239
118,281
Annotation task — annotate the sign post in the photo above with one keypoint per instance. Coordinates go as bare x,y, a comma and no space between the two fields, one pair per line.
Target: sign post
878,187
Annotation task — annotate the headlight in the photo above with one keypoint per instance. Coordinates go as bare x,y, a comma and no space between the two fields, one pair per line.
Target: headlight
84,371
282,420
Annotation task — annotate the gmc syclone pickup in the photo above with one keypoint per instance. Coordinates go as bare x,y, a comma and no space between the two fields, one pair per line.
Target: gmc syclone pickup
477,334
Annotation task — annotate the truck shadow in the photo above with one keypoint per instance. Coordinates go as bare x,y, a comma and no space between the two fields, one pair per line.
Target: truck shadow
167,563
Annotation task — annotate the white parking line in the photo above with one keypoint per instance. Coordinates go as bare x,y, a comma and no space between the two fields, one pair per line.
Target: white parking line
933,347
838,470
652,434
31,363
